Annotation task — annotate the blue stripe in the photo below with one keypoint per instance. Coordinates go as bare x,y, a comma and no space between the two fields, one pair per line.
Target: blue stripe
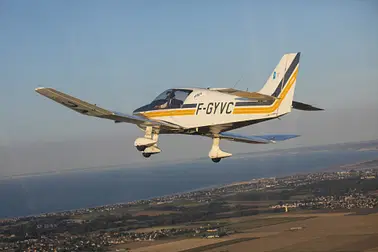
193,105
287,75
257,103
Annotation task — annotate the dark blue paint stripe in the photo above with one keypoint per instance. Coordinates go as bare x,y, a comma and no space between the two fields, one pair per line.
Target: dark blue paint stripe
287,75
259,103
193,105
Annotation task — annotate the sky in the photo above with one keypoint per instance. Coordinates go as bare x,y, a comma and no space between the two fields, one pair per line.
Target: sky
122,54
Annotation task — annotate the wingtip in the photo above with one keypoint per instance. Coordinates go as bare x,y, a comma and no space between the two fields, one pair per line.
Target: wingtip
39,88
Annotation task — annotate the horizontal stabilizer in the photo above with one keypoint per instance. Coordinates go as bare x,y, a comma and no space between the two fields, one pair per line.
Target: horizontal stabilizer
88,109
262,139
304,106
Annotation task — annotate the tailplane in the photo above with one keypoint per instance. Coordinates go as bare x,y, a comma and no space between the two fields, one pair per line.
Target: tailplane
282,81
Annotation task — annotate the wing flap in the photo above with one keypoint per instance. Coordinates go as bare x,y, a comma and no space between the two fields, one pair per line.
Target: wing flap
88,109
262,139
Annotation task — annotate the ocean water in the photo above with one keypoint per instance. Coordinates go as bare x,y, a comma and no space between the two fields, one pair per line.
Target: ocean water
80,189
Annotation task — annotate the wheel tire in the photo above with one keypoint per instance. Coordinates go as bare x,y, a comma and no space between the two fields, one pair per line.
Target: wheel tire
146,155
216,160
141,147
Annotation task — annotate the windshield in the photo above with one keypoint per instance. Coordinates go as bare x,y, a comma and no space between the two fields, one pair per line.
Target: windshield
171,98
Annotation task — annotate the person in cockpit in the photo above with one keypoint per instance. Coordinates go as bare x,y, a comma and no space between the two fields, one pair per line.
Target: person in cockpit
171,101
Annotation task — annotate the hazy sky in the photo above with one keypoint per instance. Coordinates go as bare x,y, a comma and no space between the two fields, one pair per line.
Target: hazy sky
121,54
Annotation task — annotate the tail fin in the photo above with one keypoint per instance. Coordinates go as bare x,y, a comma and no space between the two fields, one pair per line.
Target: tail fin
281,83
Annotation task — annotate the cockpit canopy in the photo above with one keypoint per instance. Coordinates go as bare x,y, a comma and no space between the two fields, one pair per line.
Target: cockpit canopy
169,99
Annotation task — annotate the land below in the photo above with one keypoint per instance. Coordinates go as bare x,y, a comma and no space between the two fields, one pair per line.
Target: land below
324,211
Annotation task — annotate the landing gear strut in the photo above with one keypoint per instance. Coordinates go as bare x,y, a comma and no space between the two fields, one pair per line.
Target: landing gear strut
216,154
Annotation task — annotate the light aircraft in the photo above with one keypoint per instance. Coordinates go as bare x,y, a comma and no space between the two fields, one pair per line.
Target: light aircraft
210,112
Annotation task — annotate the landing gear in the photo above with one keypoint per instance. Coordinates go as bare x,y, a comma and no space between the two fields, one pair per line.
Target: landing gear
216,154
146,155
216,160
148,144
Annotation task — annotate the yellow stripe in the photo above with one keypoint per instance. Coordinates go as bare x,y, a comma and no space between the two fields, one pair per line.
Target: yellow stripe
176,112
275,105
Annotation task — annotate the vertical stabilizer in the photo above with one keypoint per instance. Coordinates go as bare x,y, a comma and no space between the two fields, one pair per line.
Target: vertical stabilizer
282,81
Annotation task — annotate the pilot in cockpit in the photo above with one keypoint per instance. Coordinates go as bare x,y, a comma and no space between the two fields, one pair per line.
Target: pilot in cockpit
170,101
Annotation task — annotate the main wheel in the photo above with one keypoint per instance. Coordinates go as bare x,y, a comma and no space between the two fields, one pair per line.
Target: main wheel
141,147
146,155
216,160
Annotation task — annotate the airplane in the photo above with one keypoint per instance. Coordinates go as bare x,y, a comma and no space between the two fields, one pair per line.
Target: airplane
209,112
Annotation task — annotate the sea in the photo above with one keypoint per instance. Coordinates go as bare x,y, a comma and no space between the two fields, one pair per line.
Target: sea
31,195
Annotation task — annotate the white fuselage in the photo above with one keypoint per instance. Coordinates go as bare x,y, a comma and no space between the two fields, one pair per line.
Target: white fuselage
201,107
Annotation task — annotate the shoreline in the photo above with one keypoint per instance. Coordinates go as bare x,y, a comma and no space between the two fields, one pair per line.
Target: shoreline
315,148
178,192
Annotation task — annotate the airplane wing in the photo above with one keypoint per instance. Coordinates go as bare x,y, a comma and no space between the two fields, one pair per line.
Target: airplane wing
88,109
262,139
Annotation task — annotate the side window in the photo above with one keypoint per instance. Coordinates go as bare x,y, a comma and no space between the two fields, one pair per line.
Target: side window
176,99
173,98
179,98
181,95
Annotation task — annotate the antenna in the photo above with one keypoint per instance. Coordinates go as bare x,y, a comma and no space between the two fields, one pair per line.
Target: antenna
238,81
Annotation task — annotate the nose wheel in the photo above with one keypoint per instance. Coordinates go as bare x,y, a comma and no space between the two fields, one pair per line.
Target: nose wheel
216,160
